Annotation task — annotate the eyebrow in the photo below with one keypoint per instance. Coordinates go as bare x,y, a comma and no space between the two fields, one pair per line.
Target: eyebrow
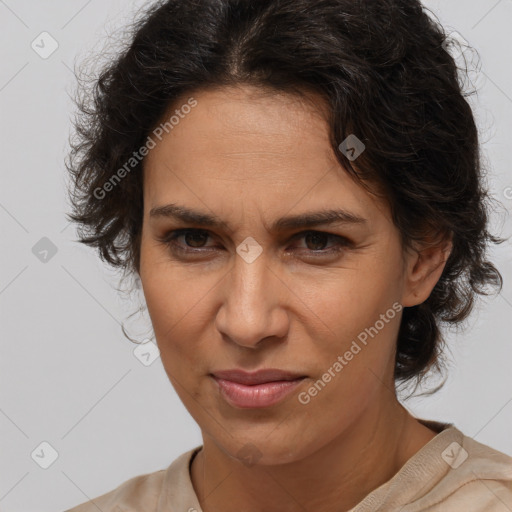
303,220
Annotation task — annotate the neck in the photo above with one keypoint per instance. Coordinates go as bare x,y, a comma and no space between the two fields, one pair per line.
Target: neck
335,478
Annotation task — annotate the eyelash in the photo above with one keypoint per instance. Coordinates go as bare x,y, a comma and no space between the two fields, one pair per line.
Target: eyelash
169,239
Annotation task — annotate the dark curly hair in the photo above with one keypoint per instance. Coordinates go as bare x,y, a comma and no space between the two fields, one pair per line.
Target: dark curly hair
384,69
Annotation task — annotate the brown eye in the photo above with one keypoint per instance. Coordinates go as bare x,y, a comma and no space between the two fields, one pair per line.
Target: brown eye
318,244
317,241
195,239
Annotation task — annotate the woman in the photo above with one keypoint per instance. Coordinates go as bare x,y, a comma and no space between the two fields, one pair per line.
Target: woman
298,186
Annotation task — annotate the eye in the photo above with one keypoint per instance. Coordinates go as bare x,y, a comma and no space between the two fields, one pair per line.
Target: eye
194,238
194,242
316,242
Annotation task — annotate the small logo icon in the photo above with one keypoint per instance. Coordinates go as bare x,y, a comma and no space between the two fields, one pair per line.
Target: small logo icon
249,249
44,250
44,45
249,454
455,44
147,352
352,147
454,455
44,455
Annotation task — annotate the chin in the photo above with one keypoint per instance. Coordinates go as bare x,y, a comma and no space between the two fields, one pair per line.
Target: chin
266,450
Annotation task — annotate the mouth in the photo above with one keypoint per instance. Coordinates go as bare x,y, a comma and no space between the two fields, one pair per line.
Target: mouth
250,390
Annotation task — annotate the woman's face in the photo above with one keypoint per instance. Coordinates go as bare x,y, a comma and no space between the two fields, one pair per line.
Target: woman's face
254,292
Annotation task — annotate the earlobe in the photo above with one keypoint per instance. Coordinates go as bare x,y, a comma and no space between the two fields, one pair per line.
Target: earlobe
423,270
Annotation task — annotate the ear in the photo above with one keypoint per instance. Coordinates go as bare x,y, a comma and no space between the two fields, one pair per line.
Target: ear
425,263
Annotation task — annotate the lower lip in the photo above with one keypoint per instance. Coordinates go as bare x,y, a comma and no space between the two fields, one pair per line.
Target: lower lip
259,395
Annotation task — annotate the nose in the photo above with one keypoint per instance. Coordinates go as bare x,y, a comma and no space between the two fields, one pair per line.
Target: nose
253,304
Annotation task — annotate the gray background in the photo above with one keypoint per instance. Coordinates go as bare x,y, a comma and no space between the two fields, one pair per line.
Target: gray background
68,375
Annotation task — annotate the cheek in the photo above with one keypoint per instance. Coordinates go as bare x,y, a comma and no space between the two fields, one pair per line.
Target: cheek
345,317
170,301
166,290
346,303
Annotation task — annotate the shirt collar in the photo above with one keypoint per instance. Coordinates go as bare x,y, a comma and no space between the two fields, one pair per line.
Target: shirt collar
178,493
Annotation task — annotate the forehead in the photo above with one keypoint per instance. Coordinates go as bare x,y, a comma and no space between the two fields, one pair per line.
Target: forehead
255,148
246,123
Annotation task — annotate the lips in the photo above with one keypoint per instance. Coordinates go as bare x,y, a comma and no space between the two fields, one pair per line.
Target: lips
258,377
262,388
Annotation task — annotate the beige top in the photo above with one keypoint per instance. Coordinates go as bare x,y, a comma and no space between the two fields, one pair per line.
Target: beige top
451,473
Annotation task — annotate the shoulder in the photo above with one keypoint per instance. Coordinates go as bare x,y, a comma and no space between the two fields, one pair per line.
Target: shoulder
148,492
140,491
489,475
479,478
451,473
478,495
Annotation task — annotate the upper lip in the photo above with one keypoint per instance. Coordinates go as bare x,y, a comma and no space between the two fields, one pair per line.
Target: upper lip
257,377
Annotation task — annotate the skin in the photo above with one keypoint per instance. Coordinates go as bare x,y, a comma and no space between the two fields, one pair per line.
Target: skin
251,157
